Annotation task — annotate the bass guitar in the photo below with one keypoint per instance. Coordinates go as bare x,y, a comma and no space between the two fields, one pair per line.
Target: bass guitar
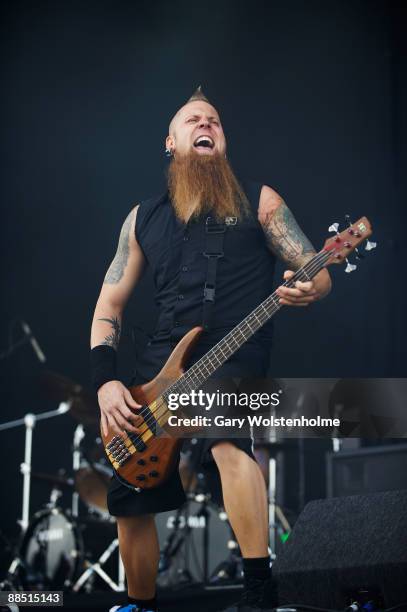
145,460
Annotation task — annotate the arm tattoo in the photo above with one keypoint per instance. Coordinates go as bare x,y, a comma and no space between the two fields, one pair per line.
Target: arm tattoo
116,269
112,339
286,239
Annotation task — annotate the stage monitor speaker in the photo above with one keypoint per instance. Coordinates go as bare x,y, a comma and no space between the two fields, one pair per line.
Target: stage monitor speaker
367,470
342,546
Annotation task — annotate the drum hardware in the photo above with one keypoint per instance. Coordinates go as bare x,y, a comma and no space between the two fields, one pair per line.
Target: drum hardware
59,481
50,553
194,541
177,540
84,406
200,524
91,478
29,421
91,484
96,568
78,436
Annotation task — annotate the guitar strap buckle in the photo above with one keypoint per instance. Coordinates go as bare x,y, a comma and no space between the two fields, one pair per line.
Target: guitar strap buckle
214,236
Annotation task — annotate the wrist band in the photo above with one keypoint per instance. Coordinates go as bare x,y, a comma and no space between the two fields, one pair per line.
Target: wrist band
103,365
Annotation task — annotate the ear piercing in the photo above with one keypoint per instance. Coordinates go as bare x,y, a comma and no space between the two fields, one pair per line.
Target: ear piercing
168,152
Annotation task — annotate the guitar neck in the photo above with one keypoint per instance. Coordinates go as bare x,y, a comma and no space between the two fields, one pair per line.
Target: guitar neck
216,356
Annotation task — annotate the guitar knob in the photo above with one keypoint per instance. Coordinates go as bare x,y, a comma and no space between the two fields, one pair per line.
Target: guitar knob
153,474
370,245
333,228
141,477
350,267
154,458
141,462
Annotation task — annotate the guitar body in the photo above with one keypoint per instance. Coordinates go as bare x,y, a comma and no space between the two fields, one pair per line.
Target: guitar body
152,466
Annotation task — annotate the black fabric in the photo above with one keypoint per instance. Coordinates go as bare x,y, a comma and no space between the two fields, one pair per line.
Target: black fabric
103,365
256,569
174,252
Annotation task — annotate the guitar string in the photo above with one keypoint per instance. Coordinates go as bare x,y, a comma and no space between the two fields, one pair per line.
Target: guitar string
150,420
257,317
187,377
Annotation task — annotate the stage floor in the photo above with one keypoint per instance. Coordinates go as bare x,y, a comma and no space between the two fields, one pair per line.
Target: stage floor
196,597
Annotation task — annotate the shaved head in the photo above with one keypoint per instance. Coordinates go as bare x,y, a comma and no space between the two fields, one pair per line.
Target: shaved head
196,118
191,106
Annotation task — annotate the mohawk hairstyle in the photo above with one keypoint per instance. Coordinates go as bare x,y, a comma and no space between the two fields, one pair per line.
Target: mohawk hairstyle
198,95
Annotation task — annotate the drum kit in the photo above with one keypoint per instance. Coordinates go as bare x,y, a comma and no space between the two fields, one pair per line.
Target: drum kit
59,546
71,542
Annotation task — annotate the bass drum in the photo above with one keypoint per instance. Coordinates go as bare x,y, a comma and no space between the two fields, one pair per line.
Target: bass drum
182,548
51,553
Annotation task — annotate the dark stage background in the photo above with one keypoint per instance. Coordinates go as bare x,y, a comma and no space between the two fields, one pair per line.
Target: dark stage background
313,99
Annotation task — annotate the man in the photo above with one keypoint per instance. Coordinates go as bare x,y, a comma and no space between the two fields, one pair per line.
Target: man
169,234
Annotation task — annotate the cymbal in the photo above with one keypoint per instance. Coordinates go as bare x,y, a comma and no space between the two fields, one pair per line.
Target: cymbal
85,409
54,479
92,483
84,405
59,387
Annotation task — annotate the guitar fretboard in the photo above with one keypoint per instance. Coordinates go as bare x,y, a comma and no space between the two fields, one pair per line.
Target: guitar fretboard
197,374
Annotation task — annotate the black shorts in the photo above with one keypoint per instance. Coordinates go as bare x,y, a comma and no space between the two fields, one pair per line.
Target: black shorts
124,501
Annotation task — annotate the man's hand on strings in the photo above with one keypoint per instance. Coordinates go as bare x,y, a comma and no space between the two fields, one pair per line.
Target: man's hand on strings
303,294
118,408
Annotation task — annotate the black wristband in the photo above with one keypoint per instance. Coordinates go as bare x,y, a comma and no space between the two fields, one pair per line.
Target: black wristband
103,365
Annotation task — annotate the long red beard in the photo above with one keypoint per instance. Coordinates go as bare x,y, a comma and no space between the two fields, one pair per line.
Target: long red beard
202,183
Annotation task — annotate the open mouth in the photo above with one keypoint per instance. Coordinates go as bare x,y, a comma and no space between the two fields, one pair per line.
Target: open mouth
204,142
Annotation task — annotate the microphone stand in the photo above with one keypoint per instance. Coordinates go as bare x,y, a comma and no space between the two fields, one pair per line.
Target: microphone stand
10,350
29,421
28,338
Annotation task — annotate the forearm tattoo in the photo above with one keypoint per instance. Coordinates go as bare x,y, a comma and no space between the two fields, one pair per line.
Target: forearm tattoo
286,239
116,269
112,339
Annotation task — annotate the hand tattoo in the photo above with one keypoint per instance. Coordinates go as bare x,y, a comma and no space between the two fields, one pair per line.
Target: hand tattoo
116,269
112,339
286,239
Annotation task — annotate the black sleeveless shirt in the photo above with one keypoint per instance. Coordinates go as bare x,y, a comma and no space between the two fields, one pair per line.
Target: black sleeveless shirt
175,253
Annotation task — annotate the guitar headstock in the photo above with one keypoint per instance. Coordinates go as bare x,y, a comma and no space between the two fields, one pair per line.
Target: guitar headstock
347,241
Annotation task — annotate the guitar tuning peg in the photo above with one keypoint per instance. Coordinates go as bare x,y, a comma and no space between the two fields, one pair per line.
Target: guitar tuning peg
333,228
370,245
347,219
350,267
359,255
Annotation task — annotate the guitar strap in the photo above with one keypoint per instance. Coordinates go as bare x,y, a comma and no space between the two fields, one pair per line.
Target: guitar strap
214,237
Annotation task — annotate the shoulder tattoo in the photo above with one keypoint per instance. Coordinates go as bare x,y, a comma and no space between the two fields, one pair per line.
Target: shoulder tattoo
285,238
119,263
